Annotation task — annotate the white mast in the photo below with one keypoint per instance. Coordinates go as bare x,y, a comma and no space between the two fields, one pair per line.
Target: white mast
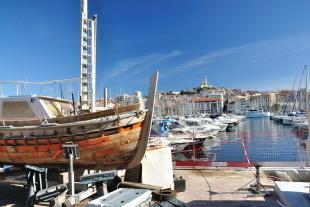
88,60
93,63
306,73
84,57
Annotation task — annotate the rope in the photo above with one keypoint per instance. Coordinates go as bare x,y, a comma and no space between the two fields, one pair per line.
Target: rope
41,82
244,149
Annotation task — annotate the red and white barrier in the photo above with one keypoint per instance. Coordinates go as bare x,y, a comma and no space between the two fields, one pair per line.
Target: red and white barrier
198,163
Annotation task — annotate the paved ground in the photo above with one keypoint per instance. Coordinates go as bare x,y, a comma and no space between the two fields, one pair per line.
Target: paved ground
218,188
205,188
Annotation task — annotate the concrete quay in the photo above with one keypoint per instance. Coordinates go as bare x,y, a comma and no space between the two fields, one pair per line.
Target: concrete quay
219,188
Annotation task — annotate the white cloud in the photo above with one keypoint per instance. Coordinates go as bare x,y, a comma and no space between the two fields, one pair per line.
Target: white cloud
272,84
202,60
134,66
251,53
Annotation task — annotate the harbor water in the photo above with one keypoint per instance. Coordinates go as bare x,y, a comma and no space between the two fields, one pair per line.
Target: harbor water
256,140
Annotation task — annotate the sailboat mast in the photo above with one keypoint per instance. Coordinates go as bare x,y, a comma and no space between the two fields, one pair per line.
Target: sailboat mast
84,89
307,101
93,62
88,59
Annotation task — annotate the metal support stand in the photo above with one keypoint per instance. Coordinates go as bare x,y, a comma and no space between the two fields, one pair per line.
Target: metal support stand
71,176
71,152
38,190
36,181
256,188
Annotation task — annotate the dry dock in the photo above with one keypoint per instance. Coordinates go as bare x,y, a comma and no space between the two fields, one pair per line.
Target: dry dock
214,188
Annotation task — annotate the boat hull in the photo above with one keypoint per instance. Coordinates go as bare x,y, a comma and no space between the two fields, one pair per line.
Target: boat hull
257,115
107,140
287,121
105,149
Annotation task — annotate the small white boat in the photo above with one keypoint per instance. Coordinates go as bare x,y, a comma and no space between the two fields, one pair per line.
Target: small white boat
278,118
216,124
294,118
227,120
257,114
300,122
301,125
287,120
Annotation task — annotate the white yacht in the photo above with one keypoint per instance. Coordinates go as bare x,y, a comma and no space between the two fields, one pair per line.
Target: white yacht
172,133
230,121
300,122
301,125
287,120
257,114
221,127
200,124
278,118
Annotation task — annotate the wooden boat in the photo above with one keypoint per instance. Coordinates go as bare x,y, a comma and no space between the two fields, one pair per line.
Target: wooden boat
112,139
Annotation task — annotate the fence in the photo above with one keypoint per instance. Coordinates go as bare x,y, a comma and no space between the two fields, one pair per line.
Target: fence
242,148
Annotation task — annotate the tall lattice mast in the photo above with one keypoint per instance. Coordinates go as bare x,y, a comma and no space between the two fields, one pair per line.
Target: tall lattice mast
88,60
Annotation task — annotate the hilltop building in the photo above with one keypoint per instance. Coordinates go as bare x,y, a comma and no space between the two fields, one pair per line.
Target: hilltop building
210,99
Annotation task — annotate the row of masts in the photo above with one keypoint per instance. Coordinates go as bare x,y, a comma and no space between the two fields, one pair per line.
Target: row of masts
297,98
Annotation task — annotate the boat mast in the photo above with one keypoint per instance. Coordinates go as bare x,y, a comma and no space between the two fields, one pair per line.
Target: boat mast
307,101
93,62
88,60
299,92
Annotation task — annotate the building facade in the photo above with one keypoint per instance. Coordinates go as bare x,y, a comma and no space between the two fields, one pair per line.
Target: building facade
204,99
241,104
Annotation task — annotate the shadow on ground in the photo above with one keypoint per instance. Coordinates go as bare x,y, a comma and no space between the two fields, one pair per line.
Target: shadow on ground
12,195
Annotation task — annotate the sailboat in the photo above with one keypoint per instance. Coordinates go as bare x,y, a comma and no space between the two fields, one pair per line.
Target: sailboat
298,119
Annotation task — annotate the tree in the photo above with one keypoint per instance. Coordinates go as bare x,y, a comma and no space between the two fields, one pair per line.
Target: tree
275,108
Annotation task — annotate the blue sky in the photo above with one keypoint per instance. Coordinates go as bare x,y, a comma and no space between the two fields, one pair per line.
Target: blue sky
237,44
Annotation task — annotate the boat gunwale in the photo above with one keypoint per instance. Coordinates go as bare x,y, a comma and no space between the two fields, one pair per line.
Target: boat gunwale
75,118
71,124
99,129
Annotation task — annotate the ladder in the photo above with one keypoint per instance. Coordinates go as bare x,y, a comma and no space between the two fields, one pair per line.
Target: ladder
88,59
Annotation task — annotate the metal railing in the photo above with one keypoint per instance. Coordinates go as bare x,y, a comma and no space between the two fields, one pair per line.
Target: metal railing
242,149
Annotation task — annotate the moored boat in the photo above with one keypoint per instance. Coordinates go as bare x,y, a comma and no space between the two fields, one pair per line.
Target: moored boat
287,120
256,114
